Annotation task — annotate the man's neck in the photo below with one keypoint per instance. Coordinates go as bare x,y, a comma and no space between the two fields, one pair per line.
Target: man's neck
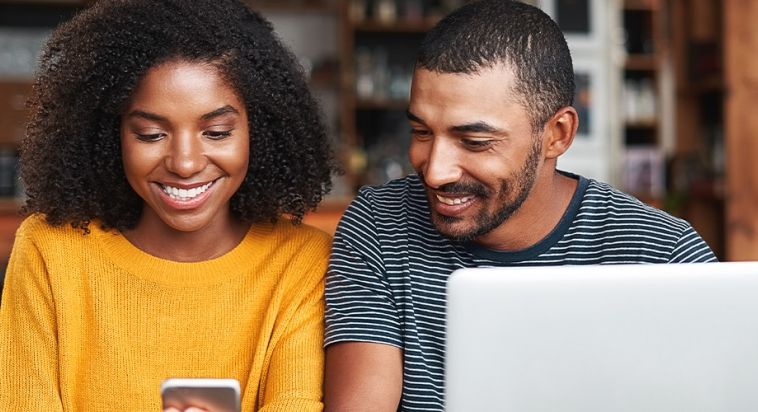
540,213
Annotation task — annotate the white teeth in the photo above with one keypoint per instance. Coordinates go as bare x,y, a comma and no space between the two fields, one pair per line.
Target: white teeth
185,194
453,201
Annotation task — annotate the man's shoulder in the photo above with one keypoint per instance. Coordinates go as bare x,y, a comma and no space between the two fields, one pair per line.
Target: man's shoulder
403,186
388,212
611,203
636,231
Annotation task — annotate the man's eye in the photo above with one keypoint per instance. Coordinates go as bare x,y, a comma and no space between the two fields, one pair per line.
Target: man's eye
217,135
476,144
420,133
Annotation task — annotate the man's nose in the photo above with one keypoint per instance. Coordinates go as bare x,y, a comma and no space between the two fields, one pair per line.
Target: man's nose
442,165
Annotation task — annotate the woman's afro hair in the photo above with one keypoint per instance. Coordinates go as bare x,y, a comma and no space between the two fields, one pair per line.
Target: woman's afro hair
71,162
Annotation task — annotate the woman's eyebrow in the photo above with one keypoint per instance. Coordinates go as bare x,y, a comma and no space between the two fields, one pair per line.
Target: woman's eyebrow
218,112
146,115
158,118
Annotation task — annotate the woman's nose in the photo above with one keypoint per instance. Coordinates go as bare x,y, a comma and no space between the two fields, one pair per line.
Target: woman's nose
185,155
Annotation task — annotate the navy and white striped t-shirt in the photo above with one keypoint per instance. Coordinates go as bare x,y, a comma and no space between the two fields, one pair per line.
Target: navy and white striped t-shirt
389,267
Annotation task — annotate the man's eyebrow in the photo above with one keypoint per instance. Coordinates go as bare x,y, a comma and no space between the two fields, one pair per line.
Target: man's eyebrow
412,117
220,111
476,127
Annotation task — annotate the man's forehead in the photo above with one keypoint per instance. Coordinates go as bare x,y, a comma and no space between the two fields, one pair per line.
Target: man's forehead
493,86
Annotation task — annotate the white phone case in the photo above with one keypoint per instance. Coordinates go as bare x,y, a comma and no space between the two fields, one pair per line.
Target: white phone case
218,395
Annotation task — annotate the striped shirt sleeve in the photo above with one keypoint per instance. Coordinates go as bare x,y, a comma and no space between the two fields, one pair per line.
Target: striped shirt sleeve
691,248
359,304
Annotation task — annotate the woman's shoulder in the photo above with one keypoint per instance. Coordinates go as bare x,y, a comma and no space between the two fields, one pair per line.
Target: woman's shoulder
36,226
285,231
36,230
297,252
36,235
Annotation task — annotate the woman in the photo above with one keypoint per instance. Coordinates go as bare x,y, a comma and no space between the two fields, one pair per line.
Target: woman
171,148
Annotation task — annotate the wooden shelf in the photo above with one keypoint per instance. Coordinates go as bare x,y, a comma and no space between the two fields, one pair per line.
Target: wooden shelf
708,190
641,62
641,124
699,118
10,206
703,86
644,94
641,5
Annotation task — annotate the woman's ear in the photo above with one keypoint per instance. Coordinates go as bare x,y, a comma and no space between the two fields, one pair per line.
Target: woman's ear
560,131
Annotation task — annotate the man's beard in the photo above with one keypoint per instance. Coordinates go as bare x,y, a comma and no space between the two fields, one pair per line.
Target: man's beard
520,182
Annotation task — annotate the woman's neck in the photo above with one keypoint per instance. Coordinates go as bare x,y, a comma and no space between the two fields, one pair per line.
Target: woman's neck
161,240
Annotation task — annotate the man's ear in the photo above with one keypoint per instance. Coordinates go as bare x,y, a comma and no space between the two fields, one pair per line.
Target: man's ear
560,131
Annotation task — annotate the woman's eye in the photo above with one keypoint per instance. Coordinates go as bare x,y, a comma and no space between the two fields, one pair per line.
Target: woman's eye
150,137
217,135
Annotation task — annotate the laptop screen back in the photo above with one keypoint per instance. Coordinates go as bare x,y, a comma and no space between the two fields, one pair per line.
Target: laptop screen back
603,338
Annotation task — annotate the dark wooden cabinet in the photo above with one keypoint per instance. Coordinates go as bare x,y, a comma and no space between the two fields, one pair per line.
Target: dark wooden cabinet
741,125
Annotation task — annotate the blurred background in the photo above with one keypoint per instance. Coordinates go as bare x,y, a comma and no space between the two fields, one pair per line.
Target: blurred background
665,90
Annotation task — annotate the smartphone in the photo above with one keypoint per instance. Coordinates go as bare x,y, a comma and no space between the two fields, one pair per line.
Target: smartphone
215,395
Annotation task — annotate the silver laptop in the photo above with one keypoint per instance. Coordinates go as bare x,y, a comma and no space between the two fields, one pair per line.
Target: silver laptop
641,338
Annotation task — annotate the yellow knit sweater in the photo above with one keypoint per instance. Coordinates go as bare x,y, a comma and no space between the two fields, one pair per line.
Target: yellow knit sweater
91,323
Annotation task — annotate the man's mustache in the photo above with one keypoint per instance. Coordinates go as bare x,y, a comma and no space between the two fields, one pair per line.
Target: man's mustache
473,188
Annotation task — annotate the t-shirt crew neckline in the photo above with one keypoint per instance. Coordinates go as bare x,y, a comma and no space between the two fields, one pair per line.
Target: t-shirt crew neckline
499,256
152,268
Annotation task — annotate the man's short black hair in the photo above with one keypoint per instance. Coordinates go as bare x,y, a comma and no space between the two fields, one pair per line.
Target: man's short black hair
486,33
71,161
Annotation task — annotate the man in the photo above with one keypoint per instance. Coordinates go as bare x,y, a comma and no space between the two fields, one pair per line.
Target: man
490,113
